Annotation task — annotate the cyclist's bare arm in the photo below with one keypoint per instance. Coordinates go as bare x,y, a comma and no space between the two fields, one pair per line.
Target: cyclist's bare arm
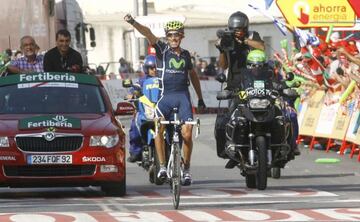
145,31
196,83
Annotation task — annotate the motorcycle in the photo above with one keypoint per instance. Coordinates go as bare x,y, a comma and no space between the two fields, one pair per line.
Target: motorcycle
258,132
146,126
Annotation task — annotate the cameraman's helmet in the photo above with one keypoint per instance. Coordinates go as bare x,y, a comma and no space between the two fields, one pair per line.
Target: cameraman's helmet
256,58
238,20
174,26
149,62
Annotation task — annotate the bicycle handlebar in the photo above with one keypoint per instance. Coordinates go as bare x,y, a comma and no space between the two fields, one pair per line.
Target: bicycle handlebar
196,123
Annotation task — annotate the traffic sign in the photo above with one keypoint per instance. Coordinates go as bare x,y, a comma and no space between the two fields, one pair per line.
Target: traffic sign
317,13
156,23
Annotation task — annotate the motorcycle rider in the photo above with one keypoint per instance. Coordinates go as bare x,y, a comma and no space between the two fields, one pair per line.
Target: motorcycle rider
256,65
234,45
175,68
150,89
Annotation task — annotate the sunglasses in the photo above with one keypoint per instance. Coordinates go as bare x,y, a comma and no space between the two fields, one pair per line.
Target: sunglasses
151,67
173,34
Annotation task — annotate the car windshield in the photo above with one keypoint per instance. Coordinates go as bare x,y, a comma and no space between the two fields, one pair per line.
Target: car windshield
47,98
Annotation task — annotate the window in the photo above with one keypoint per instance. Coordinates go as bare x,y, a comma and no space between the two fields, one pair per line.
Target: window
44,100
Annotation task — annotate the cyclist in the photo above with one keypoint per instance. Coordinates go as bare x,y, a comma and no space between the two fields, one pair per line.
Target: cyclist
150,88
174,69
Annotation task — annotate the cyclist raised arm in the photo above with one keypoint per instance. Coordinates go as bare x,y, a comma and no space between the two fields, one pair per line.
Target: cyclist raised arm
145,31
174,67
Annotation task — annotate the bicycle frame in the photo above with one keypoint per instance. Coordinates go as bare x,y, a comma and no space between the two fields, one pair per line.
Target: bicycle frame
174,169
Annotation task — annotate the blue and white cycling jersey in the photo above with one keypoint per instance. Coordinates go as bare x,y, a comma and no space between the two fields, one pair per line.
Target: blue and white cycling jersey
173,71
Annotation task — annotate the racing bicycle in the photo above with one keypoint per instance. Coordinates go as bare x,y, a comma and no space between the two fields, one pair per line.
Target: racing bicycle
175,162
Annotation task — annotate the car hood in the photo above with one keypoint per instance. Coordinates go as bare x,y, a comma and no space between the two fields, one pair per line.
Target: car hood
90,124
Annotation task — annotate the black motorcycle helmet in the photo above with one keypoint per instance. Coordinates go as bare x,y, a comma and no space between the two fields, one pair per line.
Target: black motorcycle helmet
238,20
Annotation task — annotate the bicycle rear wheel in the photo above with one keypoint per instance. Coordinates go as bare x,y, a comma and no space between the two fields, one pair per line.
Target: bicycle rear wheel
175,182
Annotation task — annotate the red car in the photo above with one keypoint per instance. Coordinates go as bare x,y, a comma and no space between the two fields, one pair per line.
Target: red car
59,129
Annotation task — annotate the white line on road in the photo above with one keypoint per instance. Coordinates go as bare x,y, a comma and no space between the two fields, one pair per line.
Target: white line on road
182,203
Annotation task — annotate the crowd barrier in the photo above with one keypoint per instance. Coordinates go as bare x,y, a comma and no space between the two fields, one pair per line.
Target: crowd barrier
319,120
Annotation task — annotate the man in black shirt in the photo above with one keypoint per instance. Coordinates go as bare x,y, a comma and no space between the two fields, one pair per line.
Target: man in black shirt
234,45
63,58
242,41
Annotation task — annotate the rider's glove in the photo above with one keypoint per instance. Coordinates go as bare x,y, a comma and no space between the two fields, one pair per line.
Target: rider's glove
201,104
129,19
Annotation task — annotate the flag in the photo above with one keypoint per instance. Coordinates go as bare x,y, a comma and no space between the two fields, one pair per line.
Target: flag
306,37
280,25
268,3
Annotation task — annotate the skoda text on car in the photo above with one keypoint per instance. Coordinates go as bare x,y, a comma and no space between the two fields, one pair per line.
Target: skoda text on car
59,129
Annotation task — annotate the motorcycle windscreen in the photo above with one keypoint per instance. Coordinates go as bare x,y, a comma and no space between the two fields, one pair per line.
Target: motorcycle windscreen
257,78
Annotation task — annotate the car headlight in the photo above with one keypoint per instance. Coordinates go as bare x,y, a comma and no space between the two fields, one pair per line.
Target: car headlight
259,103
106,141
4,141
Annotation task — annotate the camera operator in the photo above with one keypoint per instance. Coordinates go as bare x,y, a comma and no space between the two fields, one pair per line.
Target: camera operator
234,45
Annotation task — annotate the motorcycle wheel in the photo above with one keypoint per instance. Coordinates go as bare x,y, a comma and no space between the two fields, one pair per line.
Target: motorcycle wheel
261,173
276,172
250,181
156,167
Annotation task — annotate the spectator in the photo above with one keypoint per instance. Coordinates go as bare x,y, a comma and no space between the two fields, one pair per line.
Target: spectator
198,67
63,58
124,66
9,52
30,62
100,70
211,69
18,54
203,69
352,58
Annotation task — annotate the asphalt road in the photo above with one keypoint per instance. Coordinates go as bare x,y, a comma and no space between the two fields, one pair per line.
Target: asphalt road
306,191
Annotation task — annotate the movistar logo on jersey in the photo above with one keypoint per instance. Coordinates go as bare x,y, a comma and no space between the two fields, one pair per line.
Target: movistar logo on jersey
173,63
47,77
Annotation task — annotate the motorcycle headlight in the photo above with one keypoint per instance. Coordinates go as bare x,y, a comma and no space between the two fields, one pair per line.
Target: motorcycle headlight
259,103
106,141
4,141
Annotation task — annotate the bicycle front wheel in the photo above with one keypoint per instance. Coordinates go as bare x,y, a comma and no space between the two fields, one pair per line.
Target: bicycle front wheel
176,175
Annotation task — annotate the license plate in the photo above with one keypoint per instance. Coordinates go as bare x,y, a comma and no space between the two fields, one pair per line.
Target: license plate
49,159
259,84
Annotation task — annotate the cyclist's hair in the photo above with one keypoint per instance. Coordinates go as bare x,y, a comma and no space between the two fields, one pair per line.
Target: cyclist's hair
63,32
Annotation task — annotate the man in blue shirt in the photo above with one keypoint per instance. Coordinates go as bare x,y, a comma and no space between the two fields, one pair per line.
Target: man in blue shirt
150,89
174,68
30,62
